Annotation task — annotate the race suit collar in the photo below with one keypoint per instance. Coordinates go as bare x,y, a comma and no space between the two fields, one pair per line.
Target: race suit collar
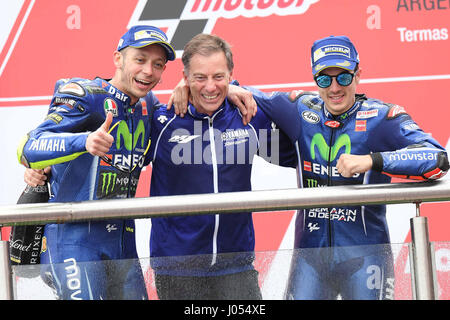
348,113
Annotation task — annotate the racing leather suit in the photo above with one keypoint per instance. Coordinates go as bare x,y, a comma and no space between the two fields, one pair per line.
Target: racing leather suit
79,107
349,235
205,154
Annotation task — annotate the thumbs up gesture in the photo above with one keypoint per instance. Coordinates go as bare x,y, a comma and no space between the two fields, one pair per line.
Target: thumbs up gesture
100,141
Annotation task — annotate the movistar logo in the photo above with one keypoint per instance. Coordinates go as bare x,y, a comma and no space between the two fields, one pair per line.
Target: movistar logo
324,149
123,132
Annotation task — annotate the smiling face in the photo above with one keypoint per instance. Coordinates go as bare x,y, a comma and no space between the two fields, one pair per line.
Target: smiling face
338,99
138,70
208,77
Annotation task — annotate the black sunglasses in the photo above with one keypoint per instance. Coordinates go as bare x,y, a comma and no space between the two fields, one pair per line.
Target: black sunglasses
344,79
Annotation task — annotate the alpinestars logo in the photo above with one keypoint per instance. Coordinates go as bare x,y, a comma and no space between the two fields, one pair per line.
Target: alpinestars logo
183,19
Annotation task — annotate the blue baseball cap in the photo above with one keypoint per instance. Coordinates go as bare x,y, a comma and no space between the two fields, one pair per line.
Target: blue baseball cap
333,51
142,36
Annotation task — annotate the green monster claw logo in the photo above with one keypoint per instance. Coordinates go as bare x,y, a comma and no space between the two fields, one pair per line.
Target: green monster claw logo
324,150
109,182
123,132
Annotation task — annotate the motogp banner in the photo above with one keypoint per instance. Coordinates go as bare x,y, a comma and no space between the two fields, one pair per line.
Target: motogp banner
403,46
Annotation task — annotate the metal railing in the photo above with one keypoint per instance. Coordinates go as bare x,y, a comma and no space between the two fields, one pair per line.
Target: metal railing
266,200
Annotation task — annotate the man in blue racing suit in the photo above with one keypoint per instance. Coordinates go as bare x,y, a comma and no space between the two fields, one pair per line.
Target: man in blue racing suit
344,138
95,138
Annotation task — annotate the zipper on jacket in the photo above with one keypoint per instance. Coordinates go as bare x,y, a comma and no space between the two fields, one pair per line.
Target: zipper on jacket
130,119
215,184
329,183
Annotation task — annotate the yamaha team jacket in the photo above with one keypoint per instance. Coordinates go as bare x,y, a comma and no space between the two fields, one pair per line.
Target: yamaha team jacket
79,107
399,148
205,154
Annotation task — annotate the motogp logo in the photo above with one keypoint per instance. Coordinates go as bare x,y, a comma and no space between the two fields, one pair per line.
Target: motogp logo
183,19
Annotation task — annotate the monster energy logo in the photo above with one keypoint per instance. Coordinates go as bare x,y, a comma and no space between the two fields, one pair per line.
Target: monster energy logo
108,182
123,132
324,149
313,183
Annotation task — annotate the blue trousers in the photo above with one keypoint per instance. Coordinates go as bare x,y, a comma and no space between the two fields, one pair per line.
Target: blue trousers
92,261
317,276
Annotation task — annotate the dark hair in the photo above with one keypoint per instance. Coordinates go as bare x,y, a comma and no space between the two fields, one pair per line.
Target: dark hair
206,44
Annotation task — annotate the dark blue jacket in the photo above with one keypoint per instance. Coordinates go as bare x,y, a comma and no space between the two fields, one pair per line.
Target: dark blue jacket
205,154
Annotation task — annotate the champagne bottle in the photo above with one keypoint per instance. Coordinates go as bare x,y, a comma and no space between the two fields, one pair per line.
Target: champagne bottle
26,240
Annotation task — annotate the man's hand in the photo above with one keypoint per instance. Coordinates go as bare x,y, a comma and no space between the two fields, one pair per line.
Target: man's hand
35,177
179,98
243,99
100,141
350,164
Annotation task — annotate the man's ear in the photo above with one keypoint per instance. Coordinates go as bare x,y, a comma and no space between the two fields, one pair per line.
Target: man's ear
358,75
118,59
